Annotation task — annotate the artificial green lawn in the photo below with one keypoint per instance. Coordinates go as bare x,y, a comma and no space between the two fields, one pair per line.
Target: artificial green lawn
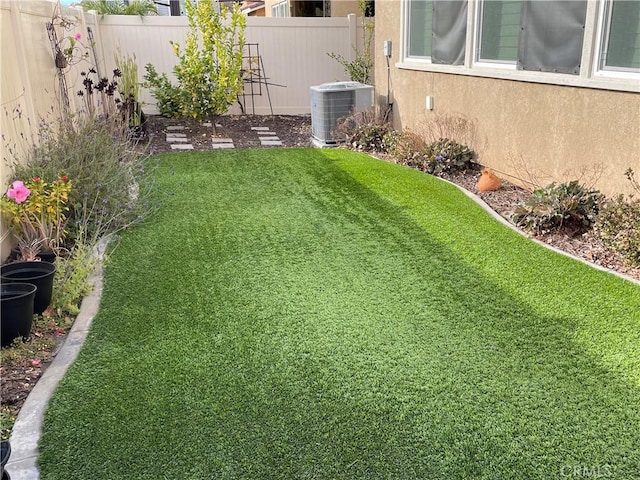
319,314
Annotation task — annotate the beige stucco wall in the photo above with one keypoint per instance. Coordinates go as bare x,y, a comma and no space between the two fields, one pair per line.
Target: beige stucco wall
342,8
339,8
551,132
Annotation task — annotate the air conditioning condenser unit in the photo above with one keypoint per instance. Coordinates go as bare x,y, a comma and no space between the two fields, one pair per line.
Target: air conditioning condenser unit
332,101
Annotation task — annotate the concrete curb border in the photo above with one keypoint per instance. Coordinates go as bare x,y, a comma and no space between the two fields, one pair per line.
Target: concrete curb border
27,429
506,223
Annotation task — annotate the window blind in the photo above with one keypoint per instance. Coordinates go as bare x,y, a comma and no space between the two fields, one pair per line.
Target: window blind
551,35
449,31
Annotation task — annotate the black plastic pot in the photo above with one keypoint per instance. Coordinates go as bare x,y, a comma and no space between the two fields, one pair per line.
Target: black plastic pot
38,273
16,304
44,256
5,453
47,256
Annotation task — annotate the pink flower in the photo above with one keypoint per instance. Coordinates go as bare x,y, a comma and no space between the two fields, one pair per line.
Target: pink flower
36,362
19,192
78,36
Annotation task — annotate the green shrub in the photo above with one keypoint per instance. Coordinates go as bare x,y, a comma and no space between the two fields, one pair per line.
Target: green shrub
209,70
364,131
407,148
370,138
361,68
446,155
570,207
436,158
110,174
618,224
71,282
167,95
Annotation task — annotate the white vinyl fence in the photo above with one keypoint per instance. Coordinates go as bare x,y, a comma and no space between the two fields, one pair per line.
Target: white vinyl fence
293,53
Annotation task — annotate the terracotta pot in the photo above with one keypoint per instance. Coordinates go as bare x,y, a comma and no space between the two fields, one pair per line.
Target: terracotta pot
488,181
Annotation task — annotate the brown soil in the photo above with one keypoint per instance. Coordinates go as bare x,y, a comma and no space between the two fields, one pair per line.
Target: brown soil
292,130
25,363
18,376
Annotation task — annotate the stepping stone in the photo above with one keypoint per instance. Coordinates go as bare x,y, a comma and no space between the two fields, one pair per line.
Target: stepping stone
221,146
173,139
266,133
269,139
176,135
182,146
218,125
271,143
221,140
206,124
176,127
260,129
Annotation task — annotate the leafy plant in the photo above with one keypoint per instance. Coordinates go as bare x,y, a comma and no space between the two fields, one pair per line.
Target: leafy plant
71,282
618,223
121,7
129,90
209,70
166,94
111,175
107,103
36,211
360,69
7,419
446,155
364,131
570,206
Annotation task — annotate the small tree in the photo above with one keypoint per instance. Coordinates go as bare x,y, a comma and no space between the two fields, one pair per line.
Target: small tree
210,68
361,68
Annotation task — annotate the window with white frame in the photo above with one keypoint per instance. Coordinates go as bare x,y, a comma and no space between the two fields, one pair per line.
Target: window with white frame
279,9
420,28
532,35
620,47
437,30
568,42
499,31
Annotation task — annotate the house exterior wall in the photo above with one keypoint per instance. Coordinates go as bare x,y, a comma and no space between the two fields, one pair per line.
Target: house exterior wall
342,8
339,8
523,129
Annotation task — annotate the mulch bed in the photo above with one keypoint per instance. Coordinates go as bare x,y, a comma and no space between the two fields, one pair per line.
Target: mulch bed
292,130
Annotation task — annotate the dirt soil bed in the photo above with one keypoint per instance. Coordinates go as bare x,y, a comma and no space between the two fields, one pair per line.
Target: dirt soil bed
18,376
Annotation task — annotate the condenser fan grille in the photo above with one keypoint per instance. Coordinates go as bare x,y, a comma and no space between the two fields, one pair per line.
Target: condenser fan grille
332,101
